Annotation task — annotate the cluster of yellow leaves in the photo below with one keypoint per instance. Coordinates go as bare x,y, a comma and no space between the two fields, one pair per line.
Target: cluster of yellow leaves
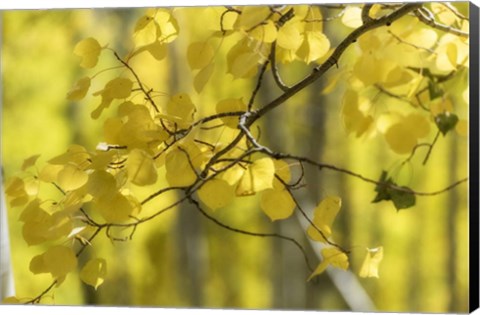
153,31
320,230
300,38
397,64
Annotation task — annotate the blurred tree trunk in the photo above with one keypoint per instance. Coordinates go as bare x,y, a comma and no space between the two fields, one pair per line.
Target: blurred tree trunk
192,249
6,273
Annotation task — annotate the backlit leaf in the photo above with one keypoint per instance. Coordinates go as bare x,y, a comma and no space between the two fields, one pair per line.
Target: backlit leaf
114,208
331,256
266,32
140,167
314,46
371,262
216,193
158,50
71,177
199,54
89,50
181,107
289,36
79,90
282,170
179,170
352,17
57,260
202,77
323,216
252,16
94,272
245,65
258,176
277,204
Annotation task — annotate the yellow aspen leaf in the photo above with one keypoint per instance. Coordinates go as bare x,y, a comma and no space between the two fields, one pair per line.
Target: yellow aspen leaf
282,170
118,88
444,14
258,176
462,127
313,20
33,212
71,177
352,17
89,50
266,32
371,262
49,173
57,260
168,25
202,77
400,138
233,174
228,106
181,107
37,265
101,159
157,49
140,129
114,208
424,37
11,300
315,45
101,183
354,119
323,216
94,272
19,201
142,22
141,169
76,154
277,204
252,16
179,172
289,36
331,256
79,90
216,193
29,162
32,185
60,224
451,51
199,54
15,187
146,31
245,65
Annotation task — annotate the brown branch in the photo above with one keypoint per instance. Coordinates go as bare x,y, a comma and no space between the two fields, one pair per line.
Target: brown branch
334,57
273,65
249,233
427,18
139,82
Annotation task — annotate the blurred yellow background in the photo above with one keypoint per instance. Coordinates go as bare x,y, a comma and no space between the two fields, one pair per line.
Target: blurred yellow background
182,260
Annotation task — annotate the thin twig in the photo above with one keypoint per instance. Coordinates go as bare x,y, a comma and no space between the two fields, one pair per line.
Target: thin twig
257,234
427,18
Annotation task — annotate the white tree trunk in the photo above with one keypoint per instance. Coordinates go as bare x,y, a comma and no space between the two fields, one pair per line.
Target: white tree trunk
6,272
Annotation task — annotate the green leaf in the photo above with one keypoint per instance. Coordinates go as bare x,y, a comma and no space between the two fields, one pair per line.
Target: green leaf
446,122
387,189
402,199
382,188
